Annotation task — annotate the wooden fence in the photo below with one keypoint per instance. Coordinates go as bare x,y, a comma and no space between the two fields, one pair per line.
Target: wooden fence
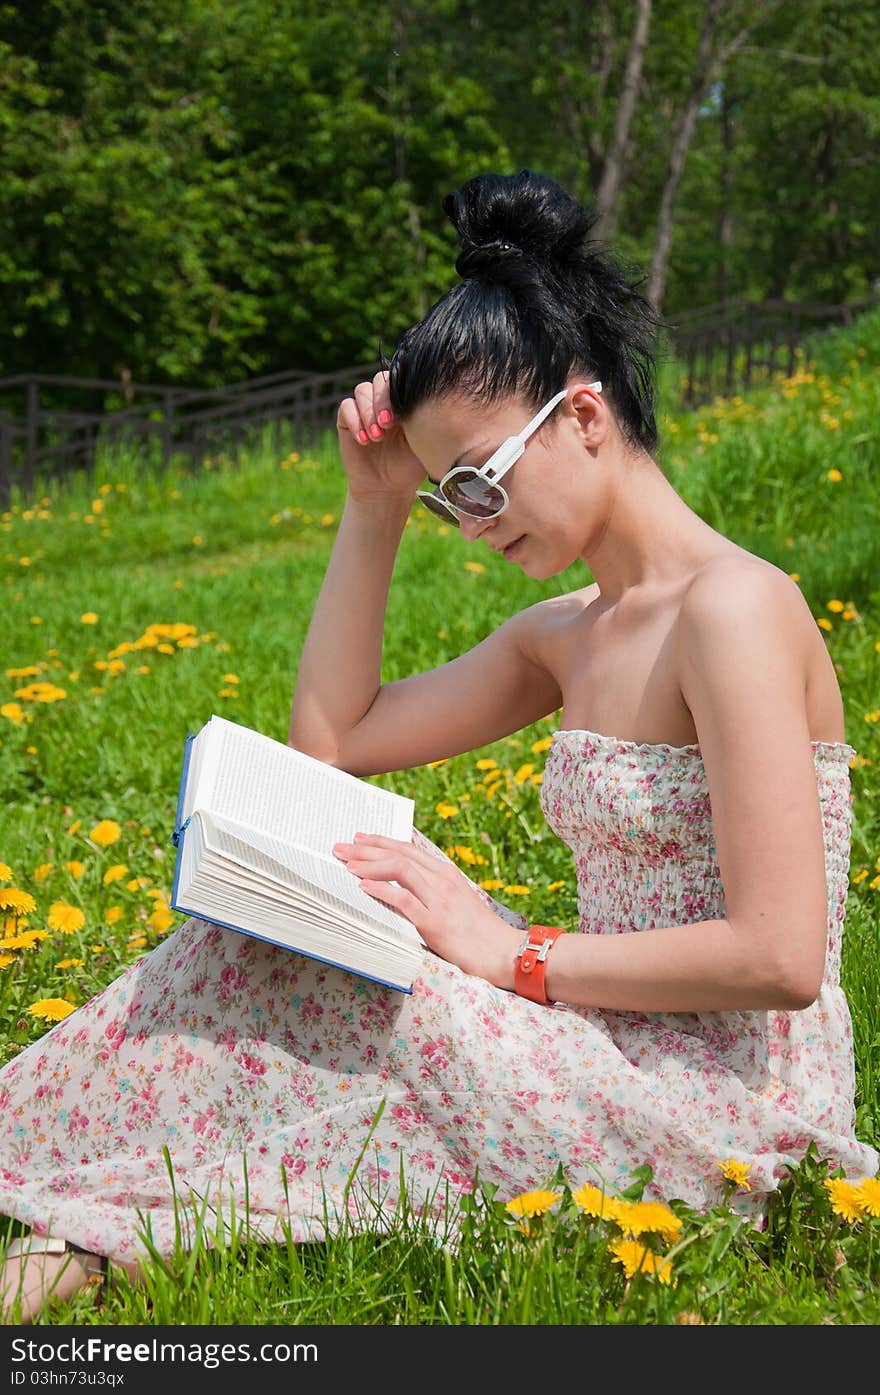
46,441
721,349
729,347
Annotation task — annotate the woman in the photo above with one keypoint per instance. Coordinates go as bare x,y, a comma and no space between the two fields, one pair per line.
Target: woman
700,776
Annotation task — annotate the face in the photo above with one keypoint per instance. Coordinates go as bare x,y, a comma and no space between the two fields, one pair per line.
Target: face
549,487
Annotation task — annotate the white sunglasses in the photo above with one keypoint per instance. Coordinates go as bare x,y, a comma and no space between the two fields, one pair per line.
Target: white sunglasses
476,491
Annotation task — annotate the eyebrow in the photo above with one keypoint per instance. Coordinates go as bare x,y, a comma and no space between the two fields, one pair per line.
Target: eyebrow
455,464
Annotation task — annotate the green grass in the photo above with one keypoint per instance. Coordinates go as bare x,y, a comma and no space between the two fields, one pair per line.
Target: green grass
234,555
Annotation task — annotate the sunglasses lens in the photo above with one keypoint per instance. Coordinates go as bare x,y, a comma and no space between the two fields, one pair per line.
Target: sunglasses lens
470,493
437,506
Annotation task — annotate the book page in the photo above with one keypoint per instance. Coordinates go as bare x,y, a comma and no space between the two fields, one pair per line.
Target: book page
283,871
263,784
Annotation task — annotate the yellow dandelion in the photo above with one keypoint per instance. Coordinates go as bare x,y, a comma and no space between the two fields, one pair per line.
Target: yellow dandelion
6,960
638,1259
5,872
836,606
644,1217
65,918
493,789
13,712
534,1203
556,886
487,763
161,919
26,939
76,869
88,618
491,884
52,1009
104,833
543,745
593,1201
464,854
824,624
523,773
738,1172
231,678
447,811
138,883
834,475
846,1200
516,890
869,1195
474,567
113,914
19,902
70,963
115,873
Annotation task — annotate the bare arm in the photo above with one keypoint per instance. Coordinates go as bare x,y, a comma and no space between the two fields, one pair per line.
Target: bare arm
743,661
743,677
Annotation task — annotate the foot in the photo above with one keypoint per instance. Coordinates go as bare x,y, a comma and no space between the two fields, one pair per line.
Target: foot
37,1271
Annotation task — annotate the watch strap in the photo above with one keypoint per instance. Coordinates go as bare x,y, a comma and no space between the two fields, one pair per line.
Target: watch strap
531,957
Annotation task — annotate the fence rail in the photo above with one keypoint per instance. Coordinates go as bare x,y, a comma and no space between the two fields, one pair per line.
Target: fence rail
730,347
47,441
721,348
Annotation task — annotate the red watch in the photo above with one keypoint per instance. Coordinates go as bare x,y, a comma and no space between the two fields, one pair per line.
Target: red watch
528,970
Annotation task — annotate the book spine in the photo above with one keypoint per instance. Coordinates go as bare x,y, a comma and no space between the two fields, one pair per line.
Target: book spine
178,817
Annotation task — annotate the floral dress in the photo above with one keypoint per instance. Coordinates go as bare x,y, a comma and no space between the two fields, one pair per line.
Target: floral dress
222,1075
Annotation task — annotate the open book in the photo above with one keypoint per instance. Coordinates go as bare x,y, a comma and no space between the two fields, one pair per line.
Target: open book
256,822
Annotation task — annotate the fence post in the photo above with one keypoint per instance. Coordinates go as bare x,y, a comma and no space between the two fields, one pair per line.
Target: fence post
5,459
31,434
167,414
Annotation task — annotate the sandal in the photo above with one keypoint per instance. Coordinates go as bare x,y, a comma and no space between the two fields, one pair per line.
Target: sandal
27,1245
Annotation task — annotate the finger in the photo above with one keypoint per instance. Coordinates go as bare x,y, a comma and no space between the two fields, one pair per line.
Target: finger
398,898
348,419
380,866
363,395
419,855
382,399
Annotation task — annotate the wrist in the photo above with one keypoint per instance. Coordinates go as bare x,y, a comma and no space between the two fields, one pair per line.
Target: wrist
530,961
380,506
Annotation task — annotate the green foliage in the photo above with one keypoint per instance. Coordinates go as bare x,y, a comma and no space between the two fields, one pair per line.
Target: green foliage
198,190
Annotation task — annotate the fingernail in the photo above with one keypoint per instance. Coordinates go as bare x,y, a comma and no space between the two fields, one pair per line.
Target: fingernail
376,432
362,436
385,417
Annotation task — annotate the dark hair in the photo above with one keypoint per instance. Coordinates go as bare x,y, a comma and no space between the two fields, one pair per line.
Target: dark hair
538,301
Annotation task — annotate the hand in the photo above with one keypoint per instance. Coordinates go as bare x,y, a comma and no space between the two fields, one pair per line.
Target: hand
432,894
375,454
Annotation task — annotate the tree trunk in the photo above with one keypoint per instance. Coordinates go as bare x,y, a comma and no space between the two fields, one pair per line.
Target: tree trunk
704,65
608,194
725,194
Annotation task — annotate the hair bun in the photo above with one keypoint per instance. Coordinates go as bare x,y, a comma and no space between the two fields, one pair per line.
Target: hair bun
482,258
502,218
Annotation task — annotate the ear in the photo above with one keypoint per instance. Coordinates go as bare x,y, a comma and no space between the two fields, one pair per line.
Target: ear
590,411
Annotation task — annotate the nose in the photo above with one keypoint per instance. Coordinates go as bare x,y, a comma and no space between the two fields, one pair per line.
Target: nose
473,528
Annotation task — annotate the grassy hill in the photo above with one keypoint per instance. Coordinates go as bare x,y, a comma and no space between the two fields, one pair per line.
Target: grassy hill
135,604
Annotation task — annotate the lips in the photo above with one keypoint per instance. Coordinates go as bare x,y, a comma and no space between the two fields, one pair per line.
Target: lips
510,551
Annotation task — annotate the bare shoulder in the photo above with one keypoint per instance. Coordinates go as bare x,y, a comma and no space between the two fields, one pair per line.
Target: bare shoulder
748,640
540,625
738,590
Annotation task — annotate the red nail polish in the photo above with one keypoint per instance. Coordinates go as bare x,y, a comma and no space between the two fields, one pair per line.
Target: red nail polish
376,432
385,417
362,436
